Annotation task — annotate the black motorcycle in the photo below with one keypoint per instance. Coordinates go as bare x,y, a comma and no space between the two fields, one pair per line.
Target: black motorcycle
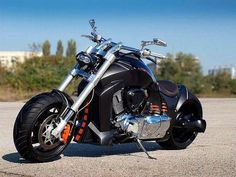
119,101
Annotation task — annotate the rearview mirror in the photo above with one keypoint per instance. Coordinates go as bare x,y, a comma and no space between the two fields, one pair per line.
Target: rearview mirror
92,24
159,42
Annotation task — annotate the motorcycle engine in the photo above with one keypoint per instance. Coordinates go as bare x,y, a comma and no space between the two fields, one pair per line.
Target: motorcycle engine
144,127
128,105
132,100
135,99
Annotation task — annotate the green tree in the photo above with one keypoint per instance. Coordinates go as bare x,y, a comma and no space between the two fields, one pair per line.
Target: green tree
221,82
184,69
168,69
233,86
71,48
60,49
46,48
207,84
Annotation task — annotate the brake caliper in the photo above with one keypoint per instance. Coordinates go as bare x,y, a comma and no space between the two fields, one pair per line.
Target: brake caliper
66,133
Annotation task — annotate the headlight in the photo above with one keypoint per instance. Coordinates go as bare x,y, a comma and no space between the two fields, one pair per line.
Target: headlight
85,59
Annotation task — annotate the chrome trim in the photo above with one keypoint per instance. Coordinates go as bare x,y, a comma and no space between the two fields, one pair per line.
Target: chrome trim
99,49
144,127
155,127
65,83
63,121
114,49
90,50
101,52
74,73
104,44
83,74
157,55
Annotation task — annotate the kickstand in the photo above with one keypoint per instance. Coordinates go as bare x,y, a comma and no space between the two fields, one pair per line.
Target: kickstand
139,142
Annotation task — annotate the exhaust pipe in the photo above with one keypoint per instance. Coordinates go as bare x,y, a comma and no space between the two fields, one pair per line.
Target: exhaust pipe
197,126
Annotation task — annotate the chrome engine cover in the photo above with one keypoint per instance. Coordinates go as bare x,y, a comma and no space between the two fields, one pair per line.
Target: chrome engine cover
144,127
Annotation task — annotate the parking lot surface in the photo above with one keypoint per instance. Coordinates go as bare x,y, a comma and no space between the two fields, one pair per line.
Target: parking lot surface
212,153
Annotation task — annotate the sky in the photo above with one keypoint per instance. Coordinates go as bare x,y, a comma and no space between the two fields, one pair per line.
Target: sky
204,28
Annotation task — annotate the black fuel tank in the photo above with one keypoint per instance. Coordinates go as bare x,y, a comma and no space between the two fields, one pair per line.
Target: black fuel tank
131,70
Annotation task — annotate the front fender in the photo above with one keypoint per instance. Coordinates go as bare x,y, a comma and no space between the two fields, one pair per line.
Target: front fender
67,100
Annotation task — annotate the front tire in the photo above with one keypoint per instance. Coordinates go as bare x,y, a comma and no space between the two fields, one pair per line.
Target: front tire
30,134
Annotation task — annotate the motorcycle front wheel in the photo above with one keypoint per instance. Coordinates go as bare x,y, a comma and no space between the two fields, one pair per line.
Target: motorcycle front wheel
33,126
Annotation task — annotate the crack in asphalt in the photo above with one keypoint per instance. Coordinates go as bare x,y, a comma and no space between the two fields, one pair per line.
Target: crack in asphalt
13,174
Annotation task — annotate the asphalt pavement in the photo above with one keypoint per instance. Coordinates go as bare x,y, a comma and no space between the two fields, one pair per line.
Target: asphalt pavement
212,153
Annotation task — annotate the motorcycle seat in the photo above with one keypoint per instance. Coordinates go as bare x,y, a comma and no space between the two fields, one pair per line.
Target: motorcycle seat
168,88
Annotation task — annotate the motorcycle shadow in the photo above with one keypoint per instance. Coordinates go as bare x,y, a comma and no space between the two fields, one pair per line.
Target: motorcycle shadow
16,158
88,150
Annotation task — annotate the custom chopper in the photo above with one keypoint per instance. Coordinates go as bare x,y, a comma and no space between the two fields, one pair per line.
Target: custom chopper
119,101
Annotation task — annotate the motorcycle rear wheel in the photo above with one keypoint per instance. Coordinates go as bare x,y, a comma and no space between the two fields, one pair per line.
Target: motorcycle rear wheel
32,128
181,138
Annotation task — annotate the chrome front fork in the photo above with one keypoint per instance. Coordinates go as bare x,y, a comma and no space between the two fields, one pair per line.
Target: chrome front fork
69,78
93,81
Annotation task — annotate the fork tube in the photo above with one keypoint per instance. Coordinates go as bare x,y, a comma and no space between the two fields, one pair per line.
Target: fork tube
73,73
65,83
90,86
109,59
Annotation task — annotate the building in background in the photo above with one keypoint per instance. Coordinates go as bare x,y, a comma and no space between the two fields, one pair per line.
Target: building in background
10,58
227,69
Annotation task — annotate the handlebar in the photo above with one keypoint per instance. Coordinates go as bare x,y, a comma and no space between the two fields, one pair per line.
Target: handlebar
148,53
102,42
157,55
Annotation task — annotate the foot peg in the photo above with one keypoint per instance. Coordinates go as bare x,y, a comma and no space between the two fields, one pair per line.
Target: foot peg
139,142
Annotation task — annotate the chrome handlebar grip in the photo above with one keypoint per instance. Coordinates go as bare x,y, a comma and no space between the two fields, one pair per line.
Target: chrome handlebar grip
148,53
157,55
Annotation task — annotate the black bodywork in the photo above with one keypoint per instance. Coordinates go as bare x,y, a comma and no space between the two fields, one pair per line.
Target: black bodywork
128,71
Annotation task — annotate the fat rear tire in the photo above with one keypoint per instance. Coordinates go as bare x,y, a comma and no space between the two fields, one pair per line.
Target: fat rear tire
181,138
27,124
172,144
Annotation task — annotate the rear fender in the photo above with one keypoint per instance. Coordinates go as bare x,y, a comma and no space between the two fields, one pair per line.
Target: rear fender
187,98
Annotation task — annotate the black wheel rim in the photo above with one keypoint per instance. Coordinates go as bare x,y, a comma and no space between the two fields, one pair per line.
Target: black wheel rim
183,135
